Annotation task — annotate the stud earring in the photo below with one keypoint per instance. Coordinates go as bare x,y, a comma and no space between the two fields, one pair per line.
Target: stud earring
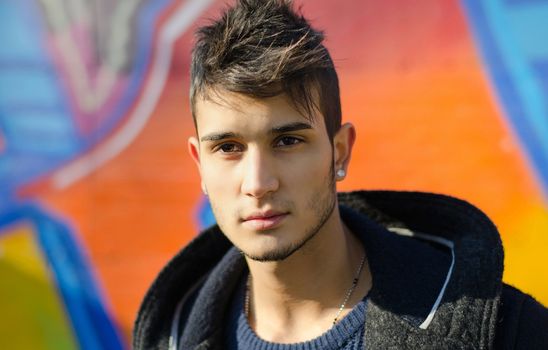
341,173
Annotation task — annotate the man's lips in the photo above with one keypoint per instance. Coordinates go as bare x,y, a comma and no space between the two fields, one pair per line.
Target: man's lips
264,221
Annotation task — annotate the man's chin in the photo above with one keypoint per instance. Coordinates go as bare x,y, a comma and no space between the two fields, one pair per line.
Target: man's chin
277,253
270,256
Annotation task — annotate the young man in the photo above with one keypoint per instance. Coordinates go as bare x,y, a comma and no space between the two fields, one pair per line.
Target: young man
291,265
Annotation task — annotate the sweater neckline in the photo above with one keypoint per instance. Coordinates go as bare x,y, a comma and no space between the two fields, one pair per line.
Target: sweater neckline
335,337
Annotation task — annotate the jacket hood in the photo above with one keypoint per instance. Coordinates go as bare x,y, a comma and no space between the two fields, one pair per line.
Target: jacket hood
436,264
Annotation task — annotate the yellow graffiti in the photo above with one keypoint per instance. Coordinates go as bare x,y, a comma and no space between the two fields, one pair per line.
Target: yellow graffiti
525,248
33,316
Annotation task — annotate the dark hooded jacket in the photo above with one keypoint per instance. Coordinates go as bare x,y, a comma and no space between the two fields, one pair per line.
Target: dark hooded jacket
436,264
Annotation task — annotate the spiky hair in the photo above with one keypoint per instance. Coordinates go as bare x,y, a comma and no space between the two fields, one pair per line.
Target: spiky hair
264,48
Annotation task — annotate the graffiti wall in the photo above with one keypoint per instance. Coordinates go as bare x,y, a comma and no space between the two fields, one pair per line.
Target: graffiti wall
97,191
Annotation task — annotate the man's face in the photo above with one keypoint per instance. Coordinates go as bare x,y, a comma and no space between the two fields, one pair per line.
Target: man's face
267,170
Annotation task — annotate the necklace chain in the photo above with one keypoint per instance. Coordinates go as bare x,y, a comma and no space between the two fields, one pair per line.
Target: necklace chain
341,308
351,289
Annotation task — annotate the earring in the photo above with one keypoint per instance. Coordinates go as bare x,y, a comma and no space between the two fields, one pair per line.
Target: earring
341,173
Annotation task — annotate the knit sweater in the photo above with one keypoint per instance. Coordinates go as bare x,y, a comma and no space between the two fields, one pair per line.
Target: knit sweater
436,265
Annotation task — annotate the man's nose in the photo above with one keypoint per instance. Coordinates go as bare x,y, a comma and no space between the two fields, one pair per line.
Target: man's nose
259,175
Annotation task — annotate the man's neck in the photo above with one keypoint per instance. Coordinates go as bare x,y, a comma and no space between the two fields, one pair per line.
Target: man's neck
297,299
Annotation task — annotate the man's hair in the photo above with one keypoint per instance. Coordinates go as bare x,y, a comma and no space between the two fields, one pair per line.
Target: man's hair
264,48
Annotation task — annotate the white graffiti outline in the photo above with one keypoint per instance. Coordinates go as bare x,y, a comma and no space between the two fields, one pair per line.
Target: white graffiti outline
184,16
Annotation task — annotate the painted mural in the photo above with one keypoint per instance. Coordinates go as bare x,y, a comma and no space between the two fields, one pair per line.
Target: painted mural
97,191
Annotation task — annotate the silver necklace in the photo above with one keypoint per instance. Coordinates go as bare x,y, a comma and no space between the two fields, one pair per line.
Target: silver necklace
341,308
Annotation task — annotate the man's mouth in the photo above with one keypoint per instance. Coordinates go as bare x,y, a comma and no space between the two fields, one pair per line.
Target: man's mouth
261,221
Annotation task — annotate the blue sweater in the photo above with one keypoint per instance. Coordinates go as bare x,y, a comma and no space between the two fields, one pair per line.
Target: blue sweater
347,334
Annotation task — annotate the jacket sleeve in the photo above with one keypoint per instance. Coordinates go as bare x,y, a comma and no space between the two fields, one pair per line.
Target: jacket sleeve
522,322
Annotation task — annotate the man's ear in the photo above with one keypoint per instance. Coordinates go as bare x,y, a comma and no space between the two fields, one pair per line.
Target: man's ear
194,151
343,141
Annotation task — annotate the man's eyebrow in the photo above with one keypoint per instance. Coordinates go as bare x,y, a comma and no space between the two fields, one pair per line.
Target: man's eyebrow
290,127
219,136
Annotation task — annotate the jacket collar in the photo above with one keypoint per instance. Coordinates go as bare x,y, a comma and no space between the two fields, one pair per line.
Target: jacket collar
407,274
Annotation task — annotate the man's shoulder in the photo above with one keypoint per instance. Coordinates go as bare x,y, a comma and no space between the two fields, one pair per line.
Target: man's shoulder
179,279
522,321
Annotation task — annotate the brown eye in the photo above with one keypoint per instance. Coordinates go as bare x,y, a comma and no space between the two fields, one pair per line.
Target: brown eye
230,147
287,141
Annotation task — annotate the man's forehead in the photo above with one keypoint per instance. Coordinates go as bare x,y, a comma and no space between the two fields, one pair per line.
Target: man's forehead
234,110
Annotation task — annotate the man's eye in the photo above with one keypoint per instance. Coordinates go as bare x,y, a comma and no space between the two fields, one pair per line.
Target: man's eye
229,148
287,141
